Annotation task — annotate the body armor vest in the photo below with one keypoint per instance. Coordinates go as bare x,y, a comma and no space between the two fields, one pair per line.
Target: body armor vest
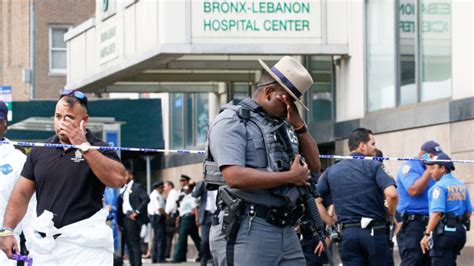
281,144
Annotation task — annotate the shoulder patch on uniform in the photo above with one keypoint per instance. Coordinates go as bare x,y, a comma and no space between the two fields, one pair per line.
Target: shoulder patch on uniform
406,169
436,193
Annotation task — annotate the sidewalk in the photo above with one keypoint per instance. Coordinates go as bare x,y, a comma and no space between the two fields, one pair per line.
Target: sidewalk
466,258
147,262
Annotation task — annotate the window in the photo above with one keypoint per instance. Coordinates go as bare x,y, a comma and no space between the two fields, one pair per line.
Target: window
413,63
240,91
381,54
189,114
407,32
176,115
57,50
435,54
321,96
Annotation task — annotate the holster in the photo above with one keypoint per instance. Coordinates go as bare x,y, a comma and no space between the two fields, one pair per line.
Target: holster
467,224
451,220
306,229
440,227
232,210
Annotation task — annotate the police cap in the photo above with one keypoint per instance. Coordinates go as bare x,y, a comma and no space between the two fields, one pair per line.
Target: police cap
442,156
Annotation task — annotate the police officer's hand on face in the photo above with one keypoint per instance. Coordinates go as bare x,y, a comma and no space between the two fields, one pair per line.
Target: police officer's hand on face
299,171
293,115
429,170
8,245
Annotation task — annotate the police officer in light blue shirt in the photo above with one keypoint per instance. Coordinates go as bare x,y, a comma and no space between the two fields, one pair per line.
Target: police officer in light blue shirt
450,210
413,183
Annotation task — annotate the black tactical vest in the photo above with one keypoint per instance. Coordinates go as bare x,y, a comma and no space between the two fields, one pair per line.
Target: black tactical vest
281,144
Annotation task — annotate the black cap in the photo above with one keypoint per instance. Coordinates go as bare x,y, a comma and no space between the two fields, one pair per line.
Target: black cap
431,146
157,184
185,177
441,156
3,111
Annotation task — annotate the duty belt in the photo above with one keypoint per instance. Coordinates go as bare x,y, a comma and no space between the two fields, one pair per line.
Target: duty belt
378,227
278,216
452,220
406,217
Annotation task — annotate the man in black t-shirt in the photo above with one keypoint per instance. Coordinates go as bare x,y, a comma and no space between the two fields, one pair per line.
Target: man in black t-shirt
69,184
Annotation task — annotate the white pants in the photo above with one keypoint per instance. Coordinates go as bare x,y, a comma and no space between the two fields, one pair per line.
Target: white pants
87,242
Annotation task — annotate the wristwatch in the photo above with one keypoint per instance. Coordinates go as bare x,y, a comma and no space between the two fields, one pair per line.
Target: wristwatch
5,231
426,234
84,147
301,130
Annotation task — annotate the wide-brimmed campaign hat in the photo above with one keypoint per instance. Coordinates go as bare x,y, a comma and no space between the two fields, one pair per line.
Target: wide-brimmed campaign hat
291,75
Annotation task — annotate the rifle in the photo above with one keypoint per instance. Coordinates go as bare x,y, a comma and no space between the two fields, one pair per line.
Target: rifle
308,194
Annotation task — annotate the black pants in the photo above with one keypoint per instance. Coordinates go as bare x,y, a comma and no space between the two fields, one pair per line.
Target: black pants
131,231
359,248
447,246
159,240
408,240
308,244
187,227
205,229
170,231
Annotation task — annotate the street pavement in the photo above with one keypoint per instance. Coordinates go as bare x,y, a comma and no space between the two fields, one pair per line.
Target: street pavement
466,258
147,262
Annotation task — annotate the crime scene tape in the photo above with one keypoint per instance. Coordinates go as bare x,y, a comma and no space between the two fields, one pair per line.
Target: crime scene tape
57,145
28,261
390,159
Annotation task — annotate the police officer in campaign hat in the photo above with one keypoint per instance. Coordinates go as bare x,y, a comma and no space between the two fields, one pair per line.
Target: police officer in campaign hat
258,147
358,189
413,183
450,211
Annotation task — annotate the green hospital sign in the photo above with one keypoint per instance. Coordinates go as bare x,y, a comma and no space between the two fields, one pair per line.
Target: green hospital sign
256,18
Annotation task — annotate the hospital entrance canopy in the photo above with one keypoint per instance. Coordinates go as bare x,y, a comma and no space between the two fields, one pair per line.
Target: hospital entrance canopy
146,45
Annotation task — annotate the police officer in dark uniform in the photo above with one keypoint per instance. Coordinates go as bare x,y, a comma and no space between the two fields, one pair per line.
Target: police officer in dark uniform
258,148
357,189
413,183
450,211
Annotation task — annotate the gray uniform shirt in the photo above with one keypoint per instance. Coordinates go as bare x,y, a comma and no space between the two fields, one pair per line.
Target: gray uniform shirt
232,142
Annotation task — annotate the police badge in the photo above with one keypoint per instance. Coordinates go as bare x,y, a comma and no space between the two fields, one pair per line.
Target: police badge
436,193
406,169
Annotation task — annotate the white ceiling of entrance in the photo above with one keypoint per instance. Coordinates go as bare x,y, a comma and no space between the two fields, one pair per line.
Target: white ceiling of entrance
200,73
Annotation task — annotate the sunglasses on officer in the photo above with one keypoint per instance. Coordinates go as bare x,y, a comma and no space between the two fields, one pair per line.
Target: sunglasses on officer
77,94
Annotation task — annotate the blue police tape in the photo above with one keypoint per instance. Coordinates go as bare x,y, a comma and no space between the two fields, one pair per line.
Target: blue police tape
25,259
390,159
57,145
